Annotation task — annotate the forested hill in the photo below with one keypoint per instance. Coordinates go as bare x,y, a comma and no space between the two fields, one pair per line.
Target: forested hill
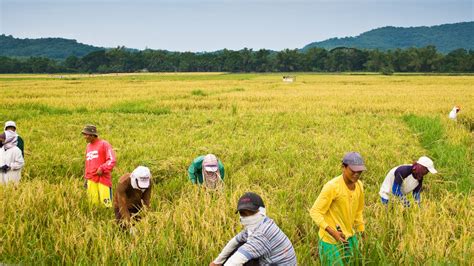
445,38
54,48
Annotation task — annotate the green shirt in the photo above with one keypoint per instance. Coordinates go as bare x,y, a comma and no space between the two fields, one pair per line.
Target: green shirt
195,170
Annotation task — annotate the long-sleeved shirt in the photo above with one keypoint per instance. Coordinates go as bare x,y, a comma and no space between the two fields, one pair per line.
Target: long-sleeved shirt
126,197
338,205
100,155
13,158
399,182
267,243
195,170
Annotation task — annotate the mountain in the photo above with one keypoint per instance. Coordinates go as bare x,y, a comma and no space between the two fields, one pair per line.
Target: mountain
54,48
446,37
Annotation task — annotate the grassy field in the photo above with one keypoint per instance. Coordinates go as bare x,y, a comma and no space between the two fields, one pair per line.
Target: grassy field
283,141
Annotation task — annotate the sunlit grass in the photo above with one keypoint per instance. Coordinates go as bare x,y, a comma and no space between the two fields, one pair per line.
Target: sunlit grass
283,141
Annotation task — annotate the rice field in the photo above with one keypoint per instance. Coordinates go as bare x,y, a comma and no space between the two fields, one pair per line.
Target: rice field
283,141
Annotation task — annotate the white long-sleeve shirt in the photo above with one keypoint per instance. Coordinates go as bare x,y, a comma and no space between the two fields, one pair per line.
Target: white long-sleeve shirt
13,158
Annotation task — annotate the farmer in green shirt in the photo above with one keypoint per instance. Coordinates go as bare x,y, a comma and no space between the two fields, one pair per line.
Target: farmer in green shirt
207,171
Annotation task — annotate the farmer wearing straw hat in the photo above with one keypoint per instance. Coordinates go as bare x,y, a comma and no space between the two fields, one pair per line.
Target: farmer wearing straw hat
133,192
100,161
338,213
261,242
207,171
407,178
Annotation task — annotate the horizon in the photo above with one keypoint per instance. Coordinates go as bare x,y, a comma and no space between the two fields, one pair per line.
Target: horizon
187,25
57,37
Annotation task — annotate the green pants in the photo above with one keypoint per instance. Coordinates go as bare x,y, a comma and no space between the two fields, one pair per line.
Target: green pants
339,254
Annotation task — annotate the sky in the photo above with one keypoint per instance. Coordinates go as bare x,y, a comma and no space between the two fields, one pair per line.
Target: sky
210,25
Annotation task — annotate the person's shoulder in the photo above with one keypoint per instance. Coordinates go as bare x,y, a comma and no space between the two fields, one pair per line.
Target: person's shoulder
404,169
124,178
103,141
334,182
198,159
361,185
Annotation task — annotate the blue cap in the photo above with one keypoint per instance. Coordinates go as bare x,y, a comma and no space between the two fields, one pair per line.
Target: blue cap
354,161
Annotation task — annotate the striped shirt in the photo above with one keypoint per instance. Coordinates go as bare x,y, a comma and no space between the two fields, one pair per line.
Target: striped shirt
268,243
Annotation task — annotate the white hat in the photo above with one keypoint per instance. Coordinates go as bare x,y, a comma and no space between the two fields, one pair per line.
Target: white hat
428,163
9,124
210,163
141,177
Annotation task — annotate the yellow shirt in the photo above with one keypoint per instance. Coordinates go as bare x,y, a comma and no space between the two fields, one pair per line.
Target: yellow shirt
338,205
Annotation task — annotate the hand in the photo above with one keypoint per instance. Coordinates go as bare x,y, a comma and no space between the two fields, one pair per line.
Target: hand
85,184
5,168
99,172
214,264
338,235
133,231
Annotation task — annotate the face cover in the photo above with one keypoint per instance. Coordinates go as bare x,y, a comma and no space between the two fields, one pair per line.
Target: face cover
11,139
134,183
251,222
212,180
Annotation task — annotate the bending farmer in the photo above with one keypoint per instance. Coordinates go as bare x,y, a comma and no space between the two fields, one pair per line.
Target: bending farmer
407,178
207,171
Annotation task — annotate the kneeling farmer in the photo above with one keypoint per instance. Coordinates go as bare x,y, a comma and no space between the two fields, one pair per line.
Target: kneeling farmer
100,161
133,192
338,213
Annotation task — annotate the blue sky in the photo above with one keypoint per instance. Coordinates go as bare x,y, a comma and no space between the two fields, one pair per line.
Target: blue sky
193,25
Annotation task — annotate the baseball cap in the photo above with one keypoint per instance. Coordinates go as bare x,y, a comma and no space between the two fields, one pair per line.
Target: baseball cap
250,201
90,130
210,163
9,124
354,161
428,163
141,175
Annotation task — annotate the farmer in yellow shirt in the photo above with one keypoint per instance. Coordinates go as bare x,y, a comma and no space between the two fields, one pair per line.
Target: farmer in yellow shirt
338,213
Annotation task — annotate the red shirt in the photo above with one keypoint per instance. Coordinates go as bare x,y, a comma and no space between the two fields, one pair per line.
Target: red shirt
99,154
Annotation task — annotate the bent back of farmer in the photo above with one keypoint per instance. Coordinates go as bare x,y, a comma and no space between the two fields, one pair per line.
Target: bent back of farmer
207,170
133,192
406,178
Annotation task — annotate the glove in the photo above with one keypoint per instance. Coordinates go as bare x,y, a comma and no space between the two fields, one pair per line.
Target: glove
5,168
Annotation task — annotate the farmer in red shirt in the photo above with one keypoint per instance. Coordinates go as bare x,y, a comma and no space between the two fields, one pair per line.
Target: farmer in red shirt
100,160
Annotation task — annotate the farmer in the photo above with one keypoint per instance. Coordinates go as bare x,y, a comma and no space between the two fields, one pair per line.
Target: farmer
100,161
132,194
406,178
454,113
261,242
10,129
338,213
11,160
207,171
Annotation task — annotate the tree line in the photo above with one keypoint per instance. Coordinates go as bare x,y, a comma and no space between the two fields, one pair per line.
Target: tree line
120,59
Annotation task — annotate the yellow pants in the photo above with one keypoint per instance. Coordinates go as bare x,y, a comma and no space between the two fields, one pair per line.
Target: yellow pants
98,192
